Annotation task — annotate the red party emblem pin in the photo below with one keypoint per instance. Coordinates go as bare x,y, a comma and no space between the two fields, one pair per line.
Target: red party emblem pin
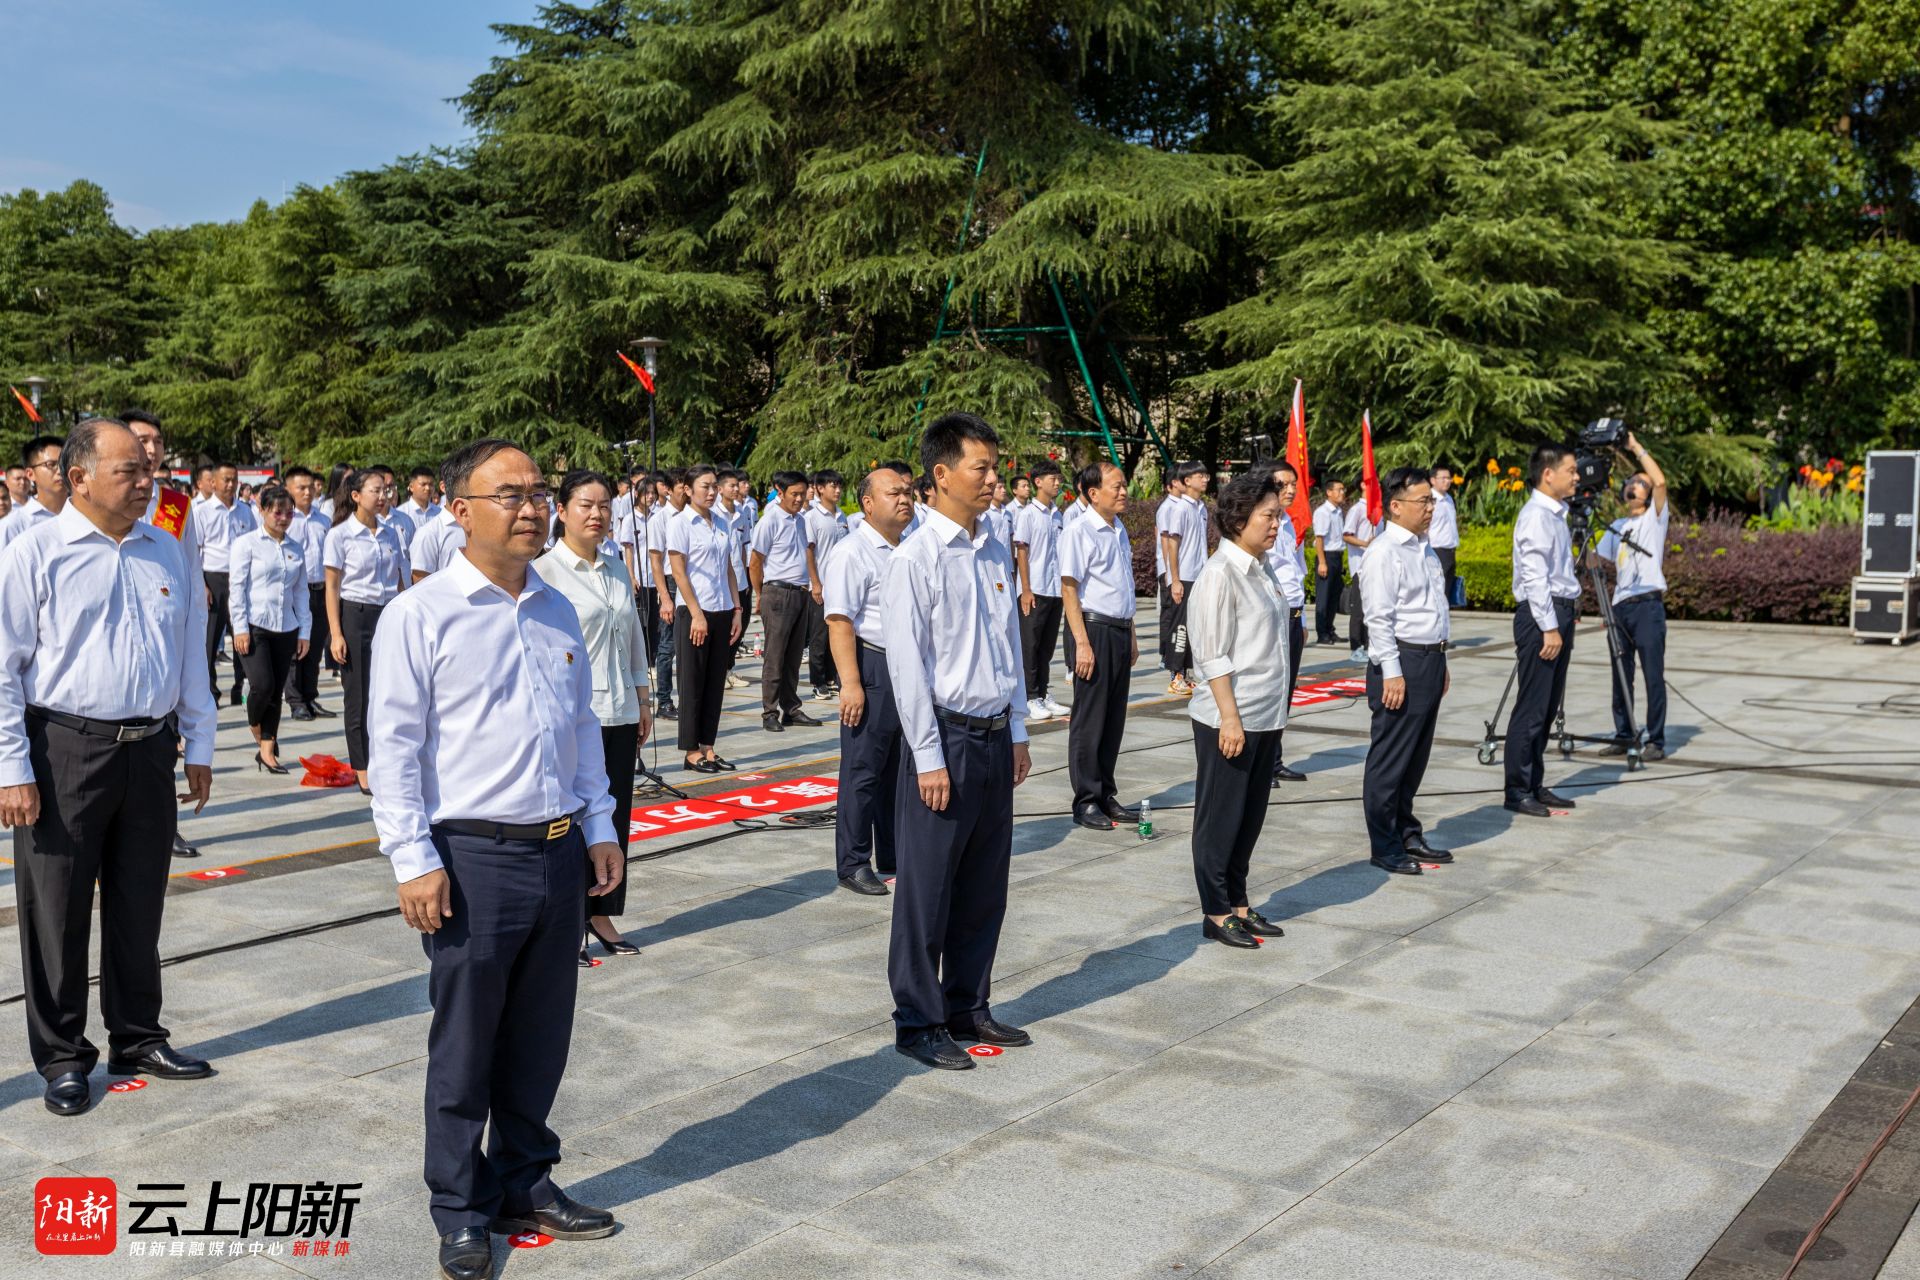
126,1086
529,1240
986,1051
217,873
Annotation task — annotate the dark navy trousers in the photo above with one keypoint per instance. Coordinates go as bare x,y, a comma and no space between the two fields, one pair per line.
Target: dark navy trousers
1539,690
1401,742
951,895
1640,625
505,967
869,775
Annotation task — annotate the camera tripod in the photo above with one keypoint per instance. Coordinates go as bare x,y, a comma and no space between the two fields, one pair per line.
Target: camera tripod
1636,740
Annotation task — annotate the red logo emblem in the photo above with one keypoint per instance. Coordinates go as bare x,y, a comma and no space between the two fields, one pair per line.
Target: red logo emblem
75,1215
529,1240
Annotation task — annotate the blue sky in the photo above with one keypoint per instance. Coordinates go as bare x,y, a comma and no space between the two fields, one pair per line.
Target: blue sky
189,110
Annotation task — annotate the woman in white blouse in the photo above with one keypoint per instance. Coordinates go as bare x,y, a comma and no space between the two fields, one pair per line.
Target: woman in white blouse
1237,625
272,618
701,556
581,567
366,568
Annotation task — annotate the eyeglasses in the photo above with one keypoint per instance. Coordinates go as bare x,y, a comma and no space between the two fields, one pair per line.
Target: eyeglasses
511,501
50,464
1427,501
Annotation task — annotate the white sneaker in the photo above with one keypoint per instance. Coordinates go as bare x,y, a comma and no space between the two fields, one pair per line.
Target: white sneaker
736,682
1359,655
1053,708
1037,710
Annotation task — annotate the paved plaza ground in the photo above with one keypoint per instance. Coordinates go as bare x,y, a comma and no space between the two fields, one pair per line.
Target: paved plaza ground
1580,1051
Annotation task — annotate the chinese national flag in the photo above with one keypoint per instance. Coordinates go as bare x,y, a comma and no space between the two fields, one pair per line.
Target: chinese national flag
1370,474
646,379
1301,512
25,403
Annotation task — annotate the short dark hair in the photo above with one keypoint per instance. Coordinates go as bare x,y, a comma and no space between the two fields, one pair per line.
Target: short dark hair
827,476
1329,482
698,469
273,495
200,469
923,486
134,413
1437,468
382,469
419,473
1020,478
1092,475
221,464
1545,457
785,480
40,444
460,465
1045,467
295,473
1239,497
677,476
1281,464
1401,479
1184,471
946,440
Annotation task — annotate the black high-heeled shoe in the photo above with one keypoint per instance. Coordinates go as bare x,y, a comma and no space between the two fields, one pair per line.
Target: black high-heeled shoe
614,946
365,790
259,763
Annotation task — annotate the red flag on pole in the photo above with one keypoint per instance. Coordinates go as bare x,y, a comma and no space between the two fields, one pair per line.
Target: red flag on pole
1369,474
646,379
1301,511
25,403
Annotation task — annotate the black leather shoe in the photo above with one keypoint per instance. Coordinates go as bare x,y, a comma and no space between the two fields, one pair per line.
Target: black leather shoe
1281,773
235,697
181,849
1530,807
1092,820
166,1062
301,713
466,1254
564,1219
68,1094
1121,815
324,713
1551,800
1419,848
800,717
987,1031
586,961
772,723
1614,749
667,711
864,881
1398,863
1261,927
1653,751
937,1049
1234,932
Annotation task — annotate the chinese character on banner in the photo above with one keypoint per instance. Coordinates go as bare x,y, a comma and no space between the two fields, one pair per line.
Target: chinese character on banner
807,789
75,1215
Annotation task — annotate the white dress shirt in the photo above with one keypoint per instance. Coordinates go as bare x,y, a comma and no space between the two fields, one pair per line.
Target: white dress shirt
856,579
434,546
106,630
1099,559
656,541
1638,574
22,520
1238,625
370,561
216,525
323,505
417,514
825,527
1403,597
601,592
952,628
1038,529
1543,559
707,543
1358,526
740,529
1186,519
1445,530
403,525
1289,565
1330,525
782,540
309,529
269,587
486,715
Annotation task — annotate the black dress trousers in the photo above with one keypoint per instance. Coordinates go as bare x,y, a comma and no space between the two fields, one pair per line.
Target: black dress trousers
504,975
820,669
1326,600
1039,635
107,812
951,895
1229,809
1397,755
1448,557
703,676
787,612
219,624
870,755
1296,645
268,667
621,745
357,621
1099,715
1539,689
1640,625
303,680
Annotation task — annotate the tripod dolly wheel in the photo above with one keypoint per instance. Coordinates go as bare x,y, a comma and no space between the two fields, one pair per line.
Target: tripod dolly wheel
1634,762
1566,747
1486,753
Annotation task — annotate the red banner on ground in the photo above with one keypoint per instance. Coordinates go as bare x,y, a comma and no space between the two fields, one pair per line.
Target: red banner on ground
1329,691
664,819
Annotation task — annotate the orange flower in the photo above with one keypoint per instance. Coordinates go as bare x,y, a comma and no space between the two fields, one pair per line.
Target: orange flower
1854,484
1493,466
1513,473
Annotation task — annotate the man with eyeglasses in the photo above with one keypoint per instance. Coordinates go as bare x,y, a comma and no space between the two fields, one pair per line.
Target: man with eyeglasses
1403,594
490,798
42,459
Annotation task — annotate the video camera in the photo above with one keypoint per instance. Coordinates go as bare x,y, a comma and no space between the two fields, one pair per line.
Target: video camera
1593,457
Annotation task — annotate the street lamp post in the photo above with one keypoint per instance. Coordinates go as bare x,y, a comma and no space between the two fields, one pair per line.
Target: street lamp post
35,385
650,359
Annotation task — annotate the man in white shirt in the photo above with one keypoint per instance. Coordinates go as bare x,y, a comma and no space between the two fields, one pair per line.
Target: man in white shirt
420,506
19,485
309,529
826,525
216,523
1096,592
1036,557
100,660
870,745
1548,596
1289,567
1404,594
1180,553
1444,533
491,801
673,493
1329,561
953,653
1636,545
730,511
785,577
1358,532
42,456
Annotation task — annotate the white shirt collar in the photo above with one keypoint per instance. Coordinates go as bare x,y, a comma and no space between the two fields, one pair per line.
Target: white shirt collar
467,576
949,532
1540,497
74,526
1399,533
873,536
1237,558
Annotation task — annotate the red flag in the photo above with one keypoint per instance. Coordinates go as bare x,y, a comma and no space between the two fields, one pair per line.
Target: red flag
25,403
1369,474
1301,511
646,379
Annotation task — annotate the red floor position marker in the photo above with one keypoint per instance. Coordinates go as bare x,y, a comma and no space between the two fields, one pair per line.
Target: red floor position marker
217,873
1429,866
529,1240
126,1086
986,1051
593,963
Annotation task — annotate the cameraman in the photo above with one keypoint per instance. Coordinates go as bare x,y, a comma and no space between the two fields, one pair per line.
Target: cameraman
1636,545
1547,595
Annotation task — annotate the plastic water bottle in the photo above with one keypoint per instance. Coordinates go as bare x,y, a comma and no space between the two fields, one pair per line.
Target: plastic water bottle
1146,820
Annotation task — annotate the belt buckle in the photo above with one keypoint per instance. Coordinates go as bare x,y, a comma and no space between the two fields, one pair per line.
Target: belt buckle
127,732
559,827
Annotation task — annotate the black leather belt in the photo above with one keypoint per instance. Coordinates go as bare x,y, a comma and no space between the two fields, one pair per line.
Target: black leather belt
1105,620
868,644
135,730
1411,647
1643,596
1294,610
972,722
791,586
548,831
